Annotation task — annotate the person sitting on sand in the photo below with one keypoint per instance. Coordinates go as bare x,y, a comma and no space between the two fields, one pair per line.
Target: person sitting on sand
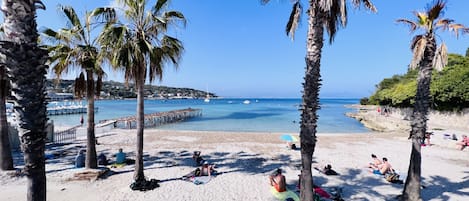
329,171
206,169
464,142
277,180
120,157
80,159
197,158
375,163
102,160
383,168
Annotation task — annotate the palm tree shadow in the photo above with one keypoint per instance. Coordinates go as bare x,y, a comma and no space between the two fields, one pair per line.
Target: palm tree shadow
439,187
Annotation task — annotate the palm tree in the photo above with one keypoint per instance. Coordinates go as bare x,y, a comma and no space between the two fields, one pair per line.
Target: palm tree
426,56
73,46
322,14
6,160
25,62
142,48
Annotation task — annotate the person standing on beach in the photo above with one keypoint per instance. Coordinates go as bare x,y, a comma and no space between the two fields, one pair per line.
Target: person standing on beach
81,120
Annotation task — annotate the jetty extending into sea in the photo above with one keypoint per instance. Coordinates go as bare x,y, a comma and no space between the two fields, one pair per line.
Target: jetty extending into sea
155,119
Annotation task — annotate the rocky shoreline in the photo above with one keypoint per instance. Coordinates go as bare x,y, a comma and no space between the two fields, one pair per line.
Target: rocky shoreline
398,119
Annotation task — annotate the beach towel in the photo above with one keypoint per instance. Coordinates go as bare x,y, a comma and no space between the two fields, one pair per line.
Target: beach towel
197,180
285,195
116,165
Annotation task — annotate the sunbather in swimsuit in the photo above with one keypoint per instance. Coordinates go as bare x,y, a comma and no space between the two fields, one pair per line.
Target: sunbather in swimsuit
383,168
464,142
278,181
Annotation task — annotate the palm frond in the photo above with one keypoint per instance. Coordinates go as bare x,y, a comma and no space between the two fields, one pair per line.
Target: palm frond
434,11
342,11
325,5
104,14
412,25
73,20
423,20
160,4
39,5
369,5
456,28
418,48
294,20
444,23
441,57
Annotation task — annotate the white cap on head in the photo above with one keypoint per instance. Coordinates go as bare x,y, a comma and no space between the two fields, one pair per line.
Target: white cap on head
205,163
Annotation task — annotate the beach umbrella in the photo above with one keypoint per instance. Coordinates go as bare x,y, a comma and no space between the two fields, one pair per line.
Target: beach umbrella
289,138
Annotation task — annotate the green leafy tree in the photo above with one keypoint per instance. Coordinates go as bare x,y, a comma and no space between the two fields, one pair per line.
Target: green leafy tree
25,63
74,47
322,14
426,56
141,47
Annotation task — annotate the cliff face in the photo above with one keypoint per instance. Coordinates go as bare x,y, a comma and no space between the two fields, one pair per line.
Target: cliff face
398,119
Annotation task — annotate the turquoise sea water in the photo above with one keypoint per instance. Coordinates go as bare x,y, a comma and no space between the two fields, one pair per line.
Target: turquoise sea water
264,115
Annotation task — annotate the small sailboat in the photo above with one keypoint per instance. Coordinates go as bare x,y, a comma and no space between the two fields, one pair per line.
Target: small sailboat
246,102
207,97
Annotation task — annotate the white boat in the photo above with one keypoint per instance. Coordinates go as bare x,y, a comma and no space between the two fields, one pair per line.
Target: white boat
207,97
246,102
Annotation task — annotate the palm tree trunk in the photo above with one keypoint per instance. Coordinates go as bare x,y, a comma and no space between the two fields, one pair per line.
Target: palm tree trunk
310,98
25,62
91,160
419,122
6,160
138,173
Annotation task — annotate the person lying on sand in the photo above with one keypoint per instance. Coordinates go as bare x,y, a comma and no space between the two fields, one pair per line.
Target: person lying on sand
327,170
375,163
277,180
464,142
383,168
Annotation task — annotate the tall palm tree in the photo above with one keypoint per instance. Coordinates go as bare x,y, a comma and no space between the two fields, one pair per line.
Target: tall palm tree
322,14
25,62
74,46
6,160
141,48
426,56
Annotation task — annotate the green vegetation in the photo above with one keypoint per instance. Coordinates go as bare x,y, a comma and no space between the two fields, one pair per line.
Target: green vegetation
117,90
448,88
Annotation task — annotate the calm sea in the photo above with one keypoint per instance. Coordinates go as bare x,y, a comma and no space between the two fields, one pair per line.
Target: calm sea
264,115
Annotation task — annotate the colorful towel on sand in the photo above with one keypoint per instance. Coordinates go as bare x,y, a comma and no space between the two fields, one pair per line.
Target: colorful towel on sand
116,165
197,180
284,196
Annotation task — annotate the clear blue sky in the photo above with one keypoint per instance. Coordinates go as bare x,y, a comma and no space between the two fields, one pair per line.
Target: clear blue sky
238,48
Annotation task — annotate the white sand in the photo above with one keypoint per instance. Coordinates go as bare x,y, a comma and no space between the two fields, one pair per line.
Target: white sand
246,160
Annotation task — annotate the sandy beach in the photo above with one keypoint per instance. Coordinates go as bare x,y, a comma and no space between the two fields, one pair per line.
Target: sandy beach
245,161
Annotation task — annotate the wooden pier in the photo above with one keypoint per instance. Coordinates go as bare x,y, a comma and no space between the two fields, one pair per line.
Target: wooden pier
68,110
156,119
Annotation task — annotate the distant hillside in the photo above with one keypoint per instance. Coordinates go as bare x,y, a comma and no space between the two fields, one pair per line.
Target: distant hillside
118,90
